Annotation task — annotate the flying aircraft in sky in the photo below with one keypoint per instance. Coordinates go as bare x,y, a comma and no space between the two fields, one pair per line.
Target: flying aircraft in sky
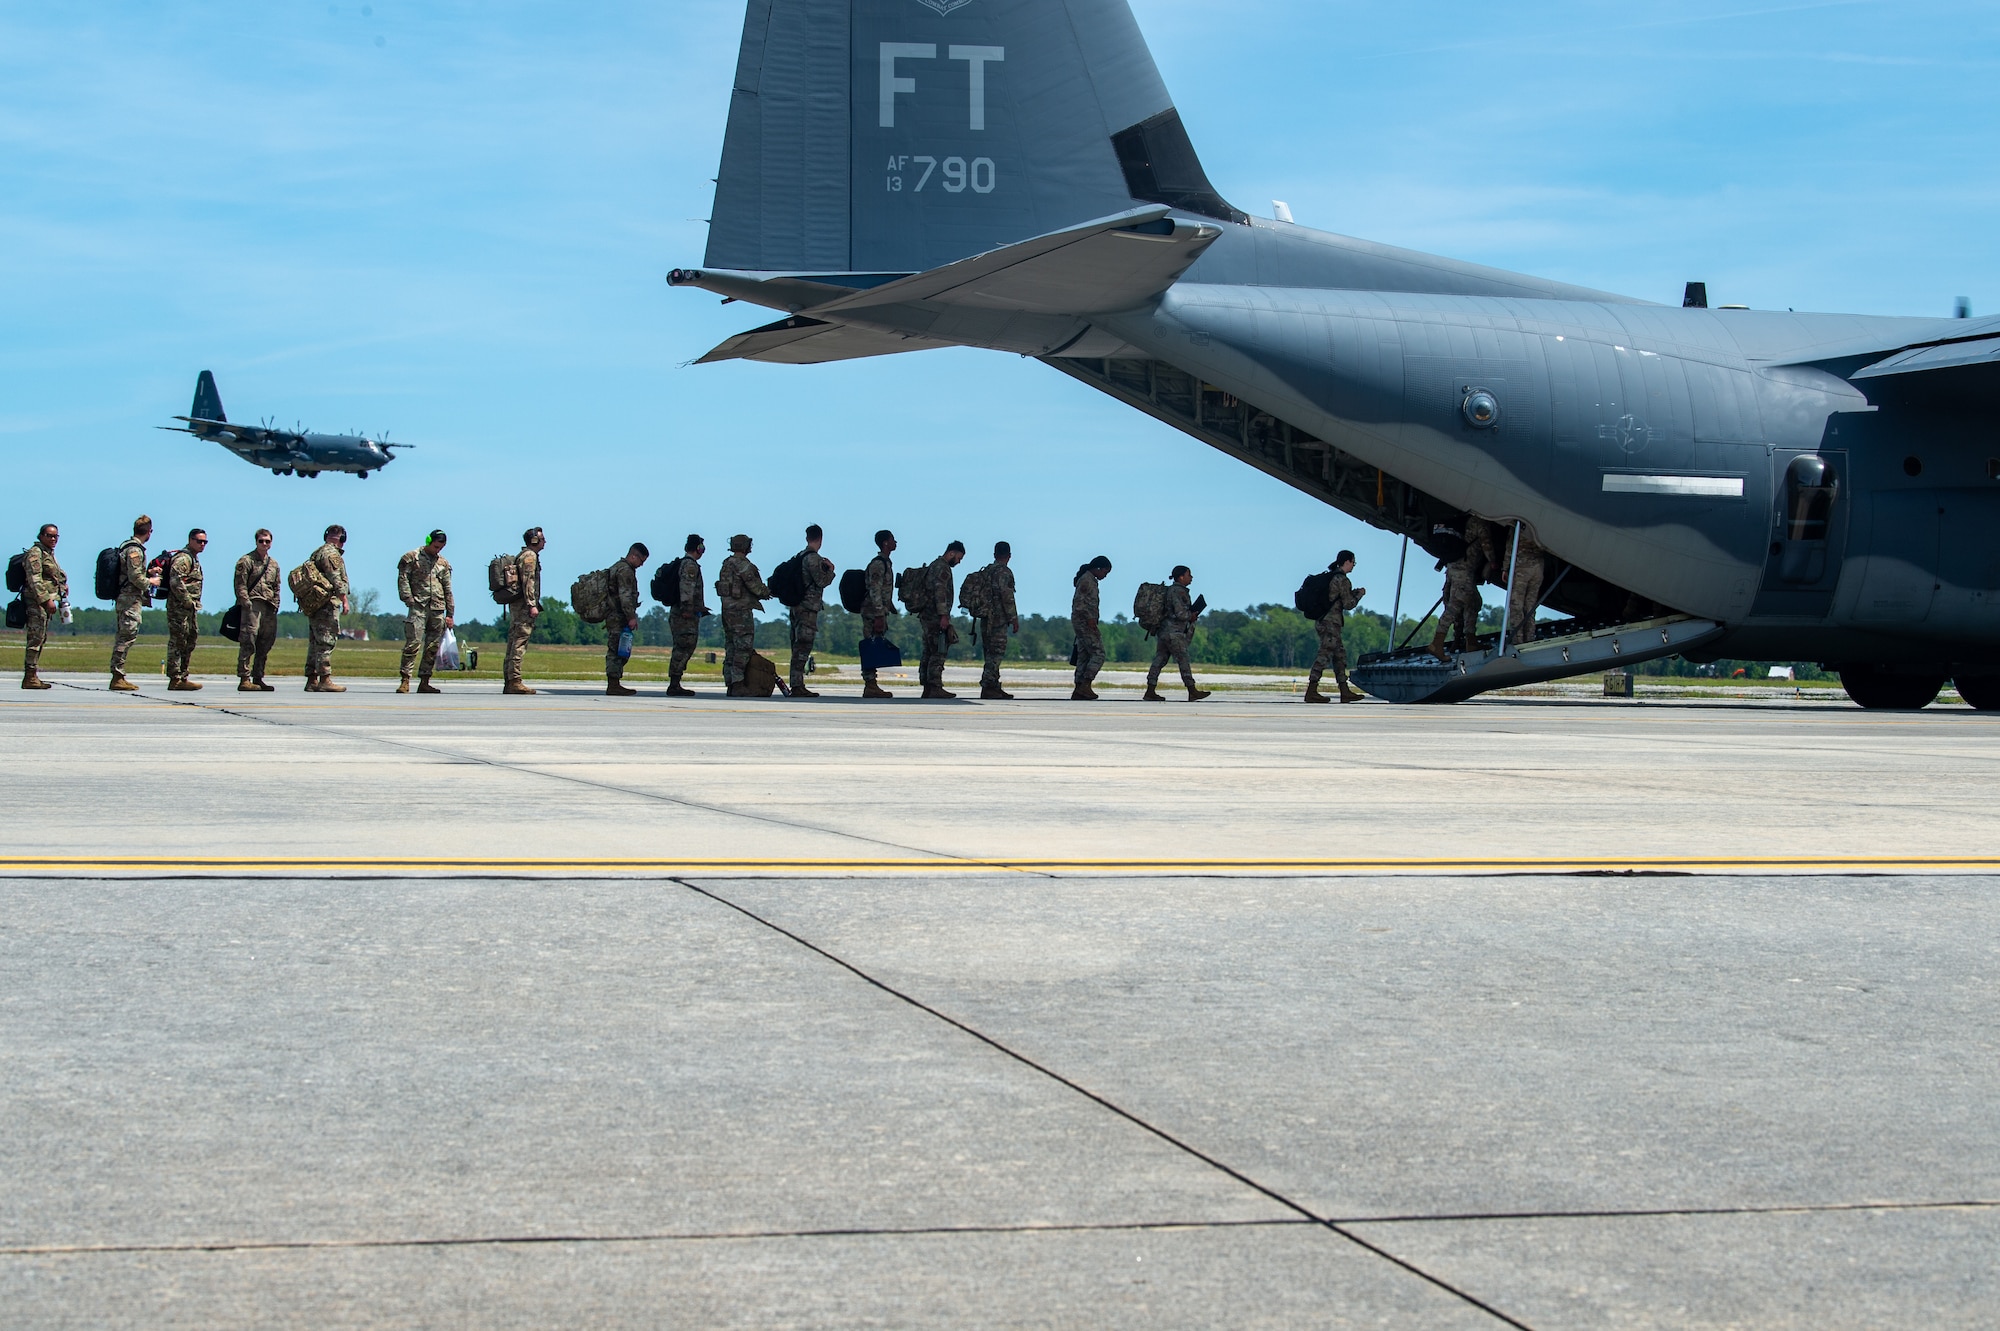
905,174
285,452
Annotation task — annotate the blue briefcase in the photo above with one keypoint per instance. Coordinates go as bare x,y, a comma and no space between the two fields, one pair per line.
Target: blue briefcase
880,654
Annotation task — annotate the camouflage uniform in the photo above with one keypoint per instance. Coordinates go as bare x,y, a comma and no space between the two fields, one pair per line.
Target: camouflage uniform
1332,650
133,593
1483,555
1460,613
621,604
324,622
937,580
817,573
1527,583
685,618
1083,617
257,595
183,588
520,615
880,602
742,590
423,581
1001,614
1175,637
46,582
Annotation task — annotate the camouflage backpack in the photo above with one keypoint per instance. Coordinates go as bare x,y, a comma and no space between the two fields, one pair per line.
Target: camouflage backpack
913,586
975,594
503,579
1149,606
588,595
309,587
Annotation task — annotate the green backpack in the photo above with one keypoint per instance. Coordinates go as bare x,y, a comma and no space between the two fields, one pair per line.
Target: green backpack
975,594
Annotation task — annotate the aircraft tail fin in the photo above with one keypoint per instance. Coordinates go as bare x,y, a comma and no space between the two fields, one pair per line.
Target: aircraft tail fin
207,402
897,136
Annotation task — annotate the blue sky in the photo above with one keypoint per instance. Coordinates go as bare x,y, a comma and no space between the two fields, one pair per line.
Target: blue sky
453,221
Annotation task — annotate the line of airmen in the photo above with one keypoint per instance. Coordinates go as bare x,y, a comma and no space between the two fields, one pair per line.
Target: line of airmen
424,584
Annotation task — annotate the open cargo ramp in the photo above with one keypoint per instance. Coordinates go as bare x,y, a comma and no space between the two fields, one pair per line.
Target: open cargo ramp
1570,648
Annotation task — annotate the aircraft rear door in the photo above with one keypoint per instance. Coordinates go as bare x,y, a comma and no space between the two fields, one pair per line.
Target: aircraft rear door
1808,535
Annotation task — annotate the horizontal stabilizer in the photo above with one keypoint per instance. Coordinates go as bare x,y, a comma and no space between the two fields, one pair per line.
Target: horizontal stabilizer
1114,263
801,341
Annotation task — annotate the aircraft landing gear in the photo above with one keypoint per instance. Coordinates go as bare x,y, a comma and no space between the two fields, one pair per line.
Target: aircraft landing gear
364,475
1981,692
277,471
1878,690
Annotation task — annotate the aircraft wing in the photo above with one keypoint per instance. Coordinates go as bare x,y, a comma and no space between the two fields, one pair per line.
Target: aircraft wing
1943,372
802,341
231,433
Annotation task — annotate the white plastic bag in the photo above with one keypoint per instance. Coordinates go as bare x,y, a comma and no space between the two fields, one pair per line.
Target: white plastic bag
448,651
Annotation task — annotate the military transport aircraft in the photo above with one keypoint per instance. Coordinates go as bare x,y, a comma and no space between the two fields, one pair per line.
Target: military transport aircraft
285,452
1011,174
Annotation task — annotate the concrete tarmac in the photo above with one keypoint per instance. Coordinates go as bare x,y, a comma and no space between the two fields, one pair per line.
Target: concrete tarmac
370,1010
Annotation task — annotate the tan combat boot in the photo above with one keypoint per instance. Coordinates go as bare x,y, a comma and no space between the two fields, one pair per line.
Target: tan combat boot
31,680
312,682
1350,695
614,689
1151,695
801,691
1314,695
1437,646
675,690
424,685
243,685
870,689
1083,693
993,692
262,687
120,684
326,684
1195,694
182,685
403,685
518,689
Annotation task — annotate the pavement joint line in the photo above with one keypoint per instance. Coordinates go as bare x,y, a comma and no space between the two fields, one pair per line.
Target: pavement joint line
475,760
714,1236
1213,1162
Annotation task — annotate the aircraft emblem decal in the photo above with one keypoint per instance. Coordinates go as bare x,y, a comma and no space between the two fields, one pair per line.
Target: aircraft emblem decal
1631,433
944,7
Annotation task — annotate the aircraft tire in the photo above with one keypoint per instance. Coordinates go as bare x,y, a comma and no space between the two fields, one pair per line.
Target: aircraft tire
1981,692
277,471
364,475
1878,690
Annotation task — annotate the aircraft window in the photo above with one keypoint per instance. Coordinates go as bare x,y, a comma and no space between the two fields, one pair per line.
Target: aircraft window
1481,408
1913,466
1809,507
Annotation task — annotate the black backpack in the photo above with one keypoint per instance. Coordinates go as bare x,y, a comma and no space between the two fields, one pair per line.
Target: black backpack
17,573
788,581
853,589
106,586
1315,596
666,586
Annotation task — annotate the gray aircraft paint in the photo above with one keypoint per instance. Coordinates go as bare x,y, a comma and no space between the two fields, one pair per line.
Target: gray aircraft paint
1011,174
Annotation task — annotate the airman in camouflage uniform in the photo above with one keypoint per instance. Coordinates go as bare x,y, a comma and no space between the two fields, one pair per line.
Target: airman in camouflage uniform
135,593
323,625
183,604
935,615
1002,617
522,614
1083,617
1459,610
423,581
816,572
621,612
44,594
1530,561
879,603
1175,637
742,590
1483,556
1342,596
684,620
257,601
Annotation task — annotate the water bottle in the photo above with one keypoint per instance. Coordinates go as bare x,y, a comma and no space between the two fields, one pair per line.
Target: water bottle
625,645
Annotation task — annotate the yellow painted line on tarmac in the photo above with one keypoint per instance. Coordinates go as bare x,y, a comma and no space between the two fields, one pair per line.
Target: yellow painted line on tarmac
310,866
